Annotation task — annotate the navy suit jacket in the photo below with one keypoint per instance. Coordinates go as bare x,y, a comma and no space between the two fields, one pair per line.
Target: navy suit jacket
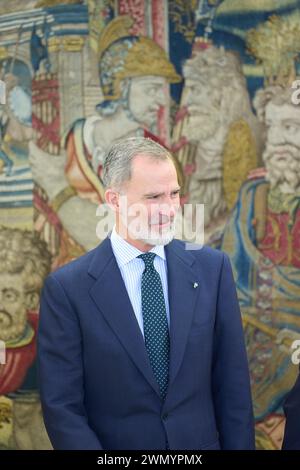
291,440
97,387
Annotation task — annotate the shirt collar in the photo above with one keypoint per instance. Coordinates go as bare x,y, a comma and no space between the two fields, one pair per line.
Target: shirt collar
125,252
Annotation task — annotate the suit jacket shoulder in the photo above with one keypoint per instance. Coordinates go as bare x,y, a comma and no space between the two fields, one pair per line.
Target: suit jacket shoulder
207,257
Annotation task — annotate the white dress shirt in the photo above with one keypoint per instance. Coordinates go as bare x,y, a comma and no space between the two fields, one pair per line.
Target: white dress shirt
132,269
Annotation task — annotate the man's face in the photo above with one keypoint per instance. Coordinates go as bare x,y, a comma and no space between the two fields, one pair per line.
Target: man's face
150,201
205,126
146,96
282,152
13,311
202,102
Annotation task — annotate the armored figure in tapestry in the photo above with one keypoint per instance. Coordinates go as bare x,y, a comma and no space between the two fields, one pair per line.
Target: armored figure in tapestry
133,72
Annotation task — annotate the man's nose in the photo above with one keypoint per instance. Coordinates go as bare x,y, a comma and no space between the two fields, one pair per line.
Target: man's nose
275,135
173,211
160,97
188,97
169,209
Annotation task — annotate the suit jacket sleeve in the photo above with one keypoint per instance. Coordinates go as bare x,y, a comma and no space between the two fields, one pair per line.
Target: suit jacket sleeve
291,440
61,371
231,383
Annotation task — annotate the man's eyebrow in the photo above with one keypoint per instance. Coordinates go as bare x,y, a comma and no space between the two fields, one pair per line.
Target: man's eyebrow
9,289
292,121
175,190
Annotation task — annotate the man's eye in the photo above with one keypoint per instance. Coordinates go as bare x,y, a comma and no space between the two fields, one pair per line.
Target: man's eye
290,128
196,89
153,90
10,296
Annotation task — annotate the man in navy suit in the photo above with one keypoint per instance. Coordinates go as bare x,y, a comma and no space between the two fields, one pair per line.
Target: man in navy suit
140,340
291,440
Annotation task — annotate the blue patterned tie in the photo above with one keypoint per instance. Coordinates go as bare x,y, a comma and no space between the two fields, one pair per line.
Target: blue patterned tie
156,330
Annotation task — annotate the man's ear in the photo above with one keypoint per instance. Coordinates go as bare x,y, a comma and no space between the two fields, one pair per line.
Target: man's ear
32,300
112,199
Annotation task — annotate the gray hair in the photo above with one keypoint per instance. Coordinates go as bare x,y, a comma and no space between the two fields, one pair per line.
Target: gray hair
276,94
119,157
215,67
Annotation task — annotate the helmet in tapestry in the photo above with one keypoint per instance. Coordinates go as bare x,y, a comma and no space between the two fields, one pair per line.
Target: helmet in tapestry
124,56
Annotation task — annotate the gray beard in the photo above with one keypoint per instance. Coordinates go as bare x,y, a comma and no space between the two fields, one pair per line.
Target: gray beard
209,193
198,127
11,330
286,177
162,239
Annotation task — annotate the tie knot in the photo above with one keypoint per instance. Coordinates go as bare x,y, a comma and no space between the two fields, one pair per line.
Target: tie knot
148,259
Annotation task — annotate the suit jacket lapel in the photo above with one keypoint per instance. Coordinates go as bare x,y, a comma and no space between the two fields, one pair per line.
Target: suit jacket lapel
111,298
182,299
